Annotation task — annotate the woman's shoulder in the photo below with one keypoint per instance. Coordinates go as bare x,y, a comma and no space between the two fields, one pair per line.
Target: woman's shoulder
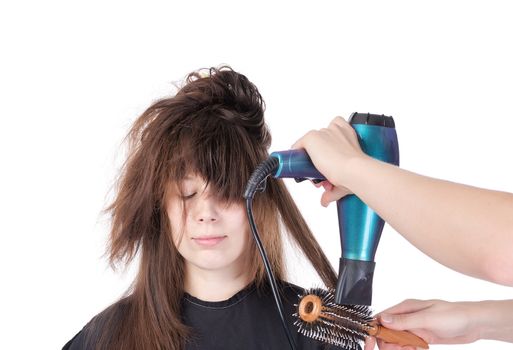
290,291
75,343
81,340
291,287
97,326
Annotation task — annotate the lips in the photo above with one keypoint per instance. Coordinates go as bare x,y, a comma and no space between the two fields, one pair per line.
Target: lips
209,237
208,241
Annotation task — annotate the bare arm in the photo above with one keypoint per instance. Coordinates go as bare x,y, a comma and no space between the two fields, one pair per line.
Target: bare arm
466,228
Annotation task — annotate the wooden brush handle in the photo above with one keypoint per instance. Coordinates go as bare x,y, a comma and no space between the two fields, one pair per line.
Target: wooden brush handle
403,338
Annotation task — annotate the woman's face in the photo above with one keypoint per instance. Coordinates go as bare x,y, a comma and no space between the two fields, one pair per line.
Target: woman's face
215,236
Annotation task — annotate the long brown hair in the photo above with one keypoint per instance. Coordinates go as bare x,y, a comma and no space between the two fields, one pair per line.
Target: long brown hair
214,125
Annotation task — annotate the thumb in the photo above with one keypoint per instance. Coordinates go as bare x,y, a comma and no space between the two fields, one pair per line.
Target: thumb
401,321
370,343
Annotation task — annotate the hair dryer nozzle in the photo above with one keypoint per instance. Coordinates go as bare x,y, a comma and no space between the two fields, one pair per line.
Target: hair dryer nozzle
354,285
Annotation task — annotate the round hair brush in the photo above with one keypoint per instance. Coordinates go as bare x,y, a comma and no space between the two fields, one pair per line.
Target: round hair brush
320,318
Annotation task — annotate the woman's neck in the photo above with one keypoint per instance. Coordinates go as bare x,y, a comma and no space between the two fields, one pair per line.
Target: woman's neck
214,285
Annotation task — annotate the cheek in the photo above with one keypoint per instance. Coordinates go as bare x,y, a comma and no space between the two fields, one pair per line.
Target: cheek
238,221
176,225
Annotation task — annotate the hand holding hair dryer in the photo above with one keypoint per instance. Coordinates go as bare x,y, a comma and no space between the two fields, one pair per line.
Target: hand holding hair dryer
360,227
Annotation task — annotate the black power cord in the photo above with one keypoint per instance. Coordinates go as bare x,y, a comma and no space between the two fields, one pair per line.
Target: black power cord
257,182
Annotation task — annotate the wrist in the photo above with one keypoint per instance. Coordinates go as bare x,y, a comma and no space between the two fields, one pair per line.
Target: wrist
353,171
495,320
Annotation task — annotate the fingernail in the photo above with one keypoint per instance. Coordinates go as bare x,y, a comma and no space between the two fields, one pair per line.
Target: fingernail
386,318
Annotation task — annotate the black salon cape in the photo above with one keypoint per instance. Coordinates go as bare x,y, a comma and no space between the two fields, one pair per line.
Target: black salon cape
249,320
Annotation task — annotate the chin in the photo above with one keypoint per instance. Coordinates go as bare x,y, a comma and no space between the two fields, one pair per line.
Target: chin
212,265
213,261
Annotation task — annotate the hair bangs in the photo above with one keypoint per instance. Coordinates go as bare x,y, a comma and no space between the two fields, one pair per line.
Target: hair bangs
219,152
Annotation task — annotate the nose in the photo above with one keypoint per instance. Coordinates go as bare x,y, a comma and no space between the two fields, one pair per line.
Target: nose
206,210
206,219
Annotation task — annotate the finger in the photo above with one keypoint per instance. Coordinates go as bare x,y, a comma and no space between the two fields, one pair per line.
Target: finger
316,184
403,321
338,120
328,186
324,183
327,197
301,143
297,144
332,195
370,343
388,346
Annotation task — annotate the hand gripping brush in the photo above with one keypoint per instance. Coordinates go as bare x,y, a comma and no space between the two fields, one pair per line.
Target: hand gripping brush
320,318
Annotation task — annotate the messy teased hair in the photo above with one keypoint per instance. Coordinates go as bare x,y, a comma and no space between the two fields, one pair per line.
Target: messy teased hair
214,127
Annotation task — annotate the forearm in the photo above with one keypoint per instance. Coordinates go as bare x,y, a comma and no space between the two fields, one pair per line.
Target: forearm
495,319
465,228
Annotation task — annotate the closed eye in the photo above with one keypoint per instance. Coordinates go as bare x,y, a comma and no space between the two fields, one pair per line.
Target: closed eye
188,196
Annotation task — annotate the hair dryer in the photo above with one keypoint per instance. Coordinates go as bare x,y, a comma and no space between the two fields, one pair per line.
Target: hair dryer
360,227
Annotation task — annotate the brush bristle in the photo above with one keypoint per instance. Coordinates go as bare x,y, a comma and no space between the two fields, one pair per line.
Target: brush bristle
339,325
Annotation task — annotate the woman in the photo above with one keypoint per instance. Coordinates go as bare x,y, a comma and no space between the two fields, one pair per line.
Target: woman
201,283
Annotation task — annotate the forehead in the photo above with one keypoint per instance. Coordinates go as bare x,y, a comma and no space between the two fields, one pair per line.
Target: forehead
191,177
191,182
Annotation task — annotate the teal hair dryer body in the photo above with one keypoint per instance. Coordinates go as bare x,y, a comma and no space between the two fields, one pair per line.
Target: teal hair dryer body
360,227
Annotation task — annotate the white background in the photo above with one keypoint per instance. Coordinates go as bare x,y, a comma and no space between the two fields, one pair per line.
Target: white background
73,76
